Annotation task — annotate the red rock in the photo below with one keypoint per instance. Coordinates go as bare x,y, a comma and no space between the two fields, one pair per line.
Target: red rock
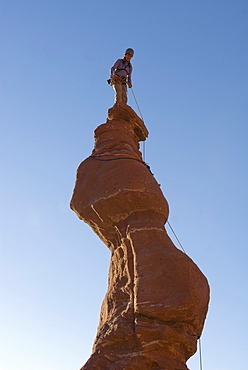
157,298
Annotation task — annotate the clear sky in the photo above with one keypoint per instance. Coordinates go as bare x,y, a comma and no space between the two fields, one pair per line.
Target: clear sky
191,82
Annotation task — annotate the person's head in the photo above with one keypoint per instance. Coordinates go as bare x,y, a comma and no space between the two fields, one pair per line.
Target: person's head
129,54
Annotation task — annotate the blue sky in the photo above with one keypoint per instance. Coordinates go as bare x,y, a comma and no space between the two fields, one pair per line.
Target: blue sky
190,79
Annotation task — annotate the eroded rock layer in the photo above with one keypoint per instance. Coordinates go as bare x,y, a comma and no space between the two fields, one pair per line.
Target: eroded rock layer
157,298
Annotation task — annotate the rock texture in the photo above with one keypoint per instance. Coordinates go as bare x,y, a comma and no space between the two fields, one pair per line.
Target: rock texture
157,298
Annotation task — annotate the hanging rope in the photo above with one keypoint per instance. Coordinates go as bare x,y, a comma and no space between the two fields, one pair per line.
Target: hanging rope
137,105
176,236
126,156
200,350
200,353
144,154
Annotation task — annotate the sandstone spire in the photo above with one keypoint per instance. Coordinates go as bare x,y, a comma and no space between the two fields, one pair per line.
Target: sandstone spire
157,298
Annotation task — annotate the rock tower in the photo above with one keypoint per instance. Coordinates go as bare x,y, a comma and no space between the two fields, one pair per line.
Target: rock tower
157,298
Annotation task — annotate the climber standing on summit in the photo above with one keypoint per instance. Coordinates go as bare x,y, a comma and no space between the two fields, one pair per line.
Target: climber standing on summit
120,76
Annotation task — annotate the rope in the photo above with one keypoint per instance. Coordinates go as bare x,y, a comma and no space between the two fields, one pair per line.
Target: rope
200,351
114,159
113,154
176,237
144,147
137,105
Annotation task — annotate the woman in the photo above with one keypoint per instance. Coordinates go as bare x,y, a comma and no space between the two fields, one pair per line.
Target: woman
120,75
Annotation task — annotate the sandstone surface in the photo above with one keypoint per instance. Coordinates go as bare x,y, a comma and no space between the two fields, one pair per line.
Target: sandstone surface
157,298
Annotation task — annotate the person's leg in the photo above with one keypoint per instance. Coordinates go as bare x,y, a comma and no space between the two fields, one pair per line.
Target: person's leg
124,93
118,92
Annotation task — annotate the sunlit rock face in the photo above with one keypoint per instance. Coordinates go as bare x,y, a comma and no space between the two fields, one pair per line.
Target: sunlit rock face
157,298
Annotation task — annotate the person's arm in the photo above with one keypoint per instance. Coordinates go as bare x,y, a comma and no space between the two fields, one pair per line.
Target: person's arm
129,80
115,66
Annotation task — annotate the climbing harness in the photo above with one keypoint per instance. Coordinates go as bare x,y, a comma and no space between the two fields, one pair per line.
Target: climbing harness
129,65
117,78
